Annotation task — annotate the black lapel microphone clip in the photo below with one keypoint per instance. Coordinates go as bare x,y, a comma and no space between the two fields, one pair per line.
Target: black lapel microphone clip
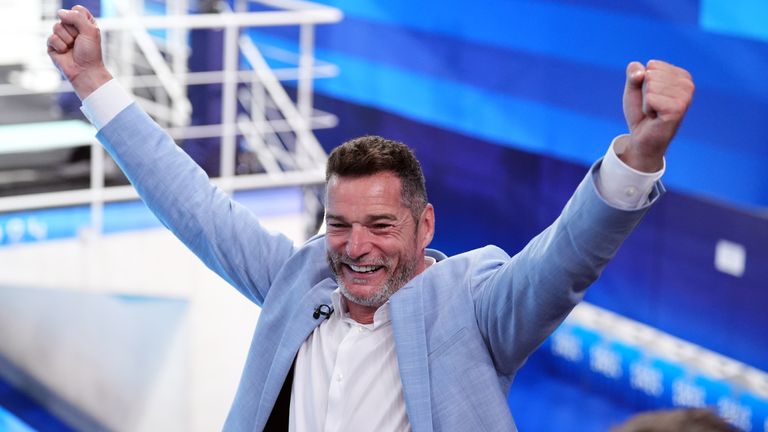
322,310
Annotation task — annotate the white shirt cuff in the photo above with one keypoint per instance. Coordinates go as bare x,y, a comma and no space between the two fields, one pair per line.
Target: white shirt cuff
106,102
621,185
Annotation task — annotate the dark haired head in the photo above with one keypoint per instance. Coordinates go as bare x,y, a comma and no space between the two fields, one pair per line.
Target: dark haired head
676,420
370,155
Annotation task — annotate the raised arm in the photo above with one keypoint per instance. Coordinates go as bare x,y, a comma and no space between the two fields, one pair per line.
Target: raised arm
223,234
526,297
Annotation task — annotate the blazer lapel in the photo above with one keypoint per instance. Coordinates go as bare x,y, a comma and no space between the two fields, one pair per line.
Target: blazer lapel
302,324
302,319
411,347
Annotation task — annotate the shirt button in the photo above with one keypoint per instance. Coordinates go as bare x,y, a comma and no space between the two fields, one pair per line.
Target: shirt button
630,191
339,376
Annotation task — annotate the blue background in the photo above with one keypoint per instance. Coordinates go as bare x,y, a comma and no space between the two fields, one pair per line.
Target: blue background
547,76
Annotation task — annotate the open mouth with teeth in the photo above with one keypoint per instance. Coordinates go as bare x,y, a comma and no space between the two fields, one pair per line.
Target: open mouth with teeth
364,269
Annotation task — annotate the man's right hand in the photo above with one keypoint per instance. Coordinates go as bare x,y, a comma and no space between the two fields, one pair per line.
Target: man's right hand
75,48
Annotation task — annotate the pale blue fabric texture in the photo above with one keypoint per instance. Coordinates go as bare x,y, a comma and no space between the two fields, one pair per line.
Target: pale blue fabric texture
462,328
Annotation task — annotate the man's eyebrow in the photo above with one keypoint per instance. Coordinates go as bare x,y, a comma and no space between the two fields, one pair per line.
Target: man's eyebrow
385,216
369,219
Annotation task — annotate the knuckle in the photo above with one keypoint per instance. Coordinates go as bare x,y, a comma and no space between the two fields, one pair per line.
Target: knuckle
678,109
651,87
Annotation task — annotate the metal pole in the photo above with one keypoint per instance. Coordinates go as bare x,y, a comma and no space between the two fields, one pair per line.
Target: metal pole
229,99
306,62
97,188
177,43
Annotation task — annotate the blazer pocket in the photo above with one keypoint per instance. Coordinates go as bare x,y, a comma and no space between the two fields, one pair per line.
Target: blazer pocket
448,343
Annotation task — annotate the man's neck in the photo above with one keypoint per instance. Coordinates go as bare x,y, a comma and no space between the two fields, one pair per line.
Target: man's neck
360,313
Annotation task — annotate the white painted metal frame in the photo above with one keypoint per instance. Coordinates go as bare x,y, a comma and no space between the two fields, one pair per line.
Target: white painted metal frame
297,118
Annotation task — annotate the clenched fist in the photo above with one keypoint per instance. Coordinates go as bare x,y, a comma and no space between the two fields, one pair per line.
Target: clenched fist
656,97
75,48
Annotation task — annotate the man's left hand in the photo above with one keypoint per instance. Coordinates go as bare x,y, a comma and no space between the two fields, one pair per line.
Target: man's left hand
656,97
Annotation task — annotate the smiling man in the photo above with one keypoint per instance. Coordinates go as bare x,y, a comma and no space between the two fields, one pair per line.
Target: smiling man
364,328
379,222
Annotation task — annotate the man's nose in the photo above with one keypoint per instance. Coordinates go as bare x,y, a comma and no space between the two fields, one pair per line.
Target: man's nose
359,242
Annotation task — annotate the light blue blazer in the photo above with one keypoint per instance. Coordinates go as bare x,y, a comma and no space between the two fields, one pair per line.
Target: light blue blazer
462,328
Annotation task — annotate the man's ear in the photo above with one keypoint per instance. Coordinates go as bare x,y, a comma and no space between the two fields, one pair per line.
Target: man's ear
426,229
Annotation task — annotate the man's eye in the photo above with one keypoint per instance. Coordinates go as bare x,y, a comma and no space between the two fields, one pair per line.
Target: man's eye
381,226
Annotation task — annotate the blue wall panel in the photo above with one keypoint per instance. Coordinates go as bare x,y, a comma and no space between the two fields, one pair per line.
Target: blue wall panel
546,76
745,18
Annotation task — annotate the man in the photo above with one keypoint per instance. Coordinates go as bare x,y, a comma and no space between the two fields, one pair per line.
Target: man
364,328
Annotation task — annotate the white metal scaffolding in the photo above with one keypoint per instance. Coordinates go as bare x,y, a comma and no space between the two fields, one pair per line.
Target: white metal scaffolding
255,107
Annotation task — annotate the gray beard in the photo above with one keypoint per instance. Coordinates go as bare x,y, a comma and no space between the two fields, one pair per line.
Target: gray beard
394,281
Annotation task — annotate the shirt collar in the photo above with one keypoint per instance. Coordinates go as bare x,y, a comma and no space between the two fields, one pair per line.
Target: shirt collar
380,317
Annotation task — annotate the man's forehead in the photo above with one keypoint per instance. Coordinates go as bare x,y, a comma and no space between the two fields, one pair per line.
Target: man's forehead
386,178
377,192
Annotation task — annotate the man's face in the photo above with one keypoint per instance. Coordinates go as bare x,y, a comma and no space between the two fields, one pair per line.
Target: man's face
374,244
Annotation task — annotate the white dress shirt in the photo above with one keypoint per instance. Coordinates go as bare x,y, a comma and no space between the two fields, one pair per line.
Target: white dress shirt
346,376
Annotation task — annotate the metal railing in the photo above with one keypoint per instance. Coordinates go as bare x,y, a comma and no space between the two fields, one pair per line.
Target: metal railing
277,128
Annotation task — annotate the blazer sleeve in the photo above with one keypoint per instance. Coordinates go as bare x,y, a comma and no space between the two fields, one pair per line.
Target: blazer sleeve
226,236
523,299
